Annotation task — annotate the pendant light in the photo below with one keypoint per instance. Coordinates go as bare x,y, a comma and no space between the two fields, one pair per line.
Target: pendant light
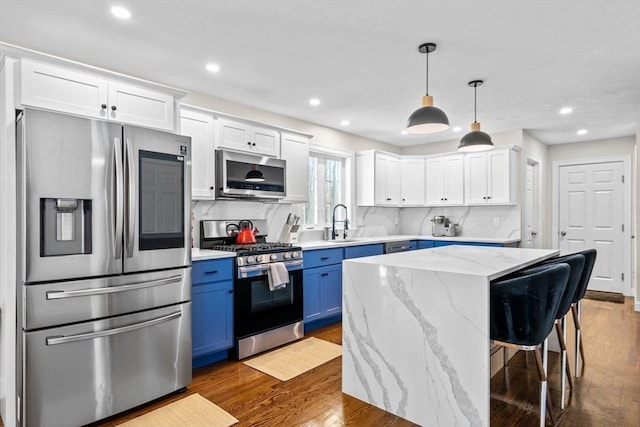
476,140
427,119
254,175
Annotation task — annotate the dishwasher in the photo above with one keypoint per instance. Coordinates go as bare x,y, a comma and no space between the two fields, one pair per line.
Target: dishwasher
399,246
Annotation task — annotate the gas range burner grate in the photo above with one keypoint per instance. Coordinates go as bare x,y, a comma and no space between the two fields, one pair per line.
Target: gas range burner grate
254,248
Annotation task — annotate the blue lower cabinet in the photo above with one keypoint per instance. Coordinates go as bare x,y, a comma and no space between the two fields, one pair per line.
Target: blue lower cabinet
322,292
363,250
424,244
413,245
439,243
211,310
212,317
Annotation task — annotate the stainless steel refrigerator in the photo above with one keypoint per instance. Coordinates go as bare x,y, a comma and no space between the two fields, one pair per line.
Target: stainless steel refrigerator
104,264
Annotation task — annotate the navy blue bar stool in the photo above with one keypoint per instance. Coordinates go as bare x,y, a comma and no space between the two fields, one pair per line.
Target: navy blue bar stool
576,262
589,261
523,311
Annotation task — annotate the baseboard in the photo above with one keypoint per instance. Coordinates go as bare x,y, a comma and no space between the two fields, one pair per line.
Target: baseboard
637,305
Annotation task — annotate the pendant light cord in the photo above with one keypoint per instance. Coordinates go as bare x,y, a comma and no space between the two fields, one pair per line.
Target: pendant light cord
427,74
475,102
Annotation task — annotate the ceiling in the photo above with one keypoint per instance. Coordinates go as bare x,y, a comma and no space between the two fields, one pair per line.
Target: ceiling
361,59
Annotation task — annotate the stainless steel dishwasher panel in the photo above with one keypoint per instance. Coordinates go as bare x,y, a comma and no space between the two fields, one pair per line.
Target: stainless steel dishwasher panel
74,375
59,303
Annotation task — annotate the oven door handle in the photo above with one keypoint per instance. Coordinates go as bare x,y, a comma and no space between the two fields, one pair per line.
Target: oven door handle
99,334
264,267
112,289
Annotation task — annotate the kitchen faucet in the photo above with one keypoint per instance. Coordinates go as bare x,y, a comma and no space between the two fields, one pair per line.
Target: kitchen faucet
345,222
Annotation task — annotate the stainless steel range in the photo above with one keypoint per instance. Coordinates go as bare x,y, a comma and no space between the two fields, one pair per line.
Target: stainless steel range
265,316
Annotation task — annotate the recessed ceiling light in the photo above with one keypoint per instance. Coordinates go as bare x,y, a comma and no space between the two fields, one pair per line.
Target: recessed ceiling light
214,68
457,129
120,12
314,101
345,123
582,132
566,110
404,132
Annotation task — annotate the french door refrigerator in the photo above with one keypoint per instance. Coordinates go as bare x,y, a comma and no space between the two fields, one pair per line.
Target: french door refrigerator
104,260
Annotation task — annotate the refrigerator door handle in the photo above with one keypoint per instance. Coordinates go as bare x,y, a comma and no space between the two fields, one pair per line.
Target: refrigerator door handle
112,289
117,152
115,331
131,205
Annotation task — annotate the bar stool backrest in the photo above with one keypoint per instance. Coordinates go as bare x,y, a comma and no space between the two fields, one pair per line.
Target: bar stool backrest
589,262
523,309
576,262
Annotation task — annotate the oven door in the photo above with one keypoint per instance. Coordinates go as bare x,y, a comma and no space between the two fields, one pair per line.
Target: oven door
258,309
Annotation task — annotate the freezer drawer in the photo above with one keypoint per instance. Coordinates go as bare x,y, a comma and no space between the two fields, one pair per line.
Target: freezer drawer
60,303
78,374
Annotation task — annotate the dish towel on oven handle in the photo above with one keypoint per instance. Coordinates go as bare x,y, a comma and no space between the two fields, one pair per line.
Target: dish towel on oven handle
278,276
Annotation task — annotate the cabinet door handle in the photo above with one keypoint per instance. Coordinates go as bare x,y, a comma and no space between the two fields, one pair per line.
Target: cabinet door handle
324,258
230,291
104,106
488,197
114,108
211,188
249,143
254,144
388,199
211,272
324,274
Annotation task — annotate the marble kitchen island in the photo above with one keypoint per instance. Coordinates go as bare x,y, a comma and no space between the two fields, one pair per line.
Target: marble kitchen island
415,330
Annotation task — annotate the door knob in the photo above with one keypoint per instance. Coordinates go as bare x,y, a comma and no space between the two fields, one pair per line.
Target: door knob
534,234
563,233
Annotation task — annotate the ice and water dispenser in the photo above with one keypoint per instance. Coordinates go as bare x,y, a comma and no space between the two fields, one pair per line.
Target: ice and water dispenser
65,227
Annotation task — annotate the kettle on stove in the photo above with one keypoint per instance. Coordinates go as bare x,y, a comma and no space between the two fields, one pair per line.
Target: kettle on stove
246,234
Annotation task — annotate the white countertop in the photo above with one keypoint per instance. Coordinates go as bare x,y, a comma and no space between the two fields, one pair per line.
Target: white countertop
204,254
355,241
489,262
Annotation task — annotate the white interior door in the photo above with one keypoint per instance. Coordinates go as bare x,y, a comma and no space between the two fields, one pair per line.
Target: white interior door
531,205
591,215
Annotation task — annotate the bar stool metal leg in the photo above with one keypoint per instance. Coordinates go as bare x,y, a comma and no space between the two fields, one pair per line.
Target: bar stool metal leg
565,371
576,311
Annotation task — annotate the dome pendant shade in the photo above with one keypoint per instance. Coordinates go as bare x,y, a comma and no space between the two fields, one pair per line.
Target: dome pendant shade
254,175
476,140
427,119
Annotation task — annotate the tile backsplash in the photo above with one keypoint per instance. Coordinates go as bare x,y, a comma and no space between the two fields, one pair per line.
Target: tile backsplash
473,221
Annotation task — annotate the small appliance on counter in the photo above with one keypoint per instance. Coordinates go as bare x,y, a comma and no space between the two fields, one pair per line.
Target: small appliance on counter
441,226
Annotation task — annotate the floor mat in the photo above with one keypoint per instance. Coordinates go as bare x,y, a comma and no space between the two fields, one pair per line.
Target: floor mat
191,411
295,359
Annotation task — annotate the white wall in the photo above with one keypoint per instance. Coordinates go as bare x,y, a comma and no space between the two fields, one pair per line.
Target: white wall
7,244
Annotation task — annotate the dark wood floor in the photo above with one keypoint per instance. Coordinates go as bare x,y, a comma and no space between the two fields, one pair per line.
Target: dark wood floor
608,393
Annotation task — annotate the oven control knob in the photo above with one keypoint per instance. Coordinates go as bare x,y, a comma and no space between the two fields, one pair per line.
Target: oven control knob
274,257
295,254
286,255
259,258
250,260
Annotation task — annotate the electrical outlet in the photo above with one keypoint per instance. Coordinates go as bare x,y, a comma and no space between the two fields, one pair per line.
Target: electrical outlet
496,220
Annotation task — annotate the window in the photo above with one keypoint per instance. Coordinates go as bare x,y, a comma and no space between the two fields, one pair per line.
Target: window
329,184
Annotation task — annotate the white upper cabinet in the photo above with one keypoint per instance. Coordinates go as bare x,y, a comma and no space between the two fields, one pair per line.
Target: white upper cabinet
490,176
294,148
412,181
377,179
77,92
200,127
247,137
445,184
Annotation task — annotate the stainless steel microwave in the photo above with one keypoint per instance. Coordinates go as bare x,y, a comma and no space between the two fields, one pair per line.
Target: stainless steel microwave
249,176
